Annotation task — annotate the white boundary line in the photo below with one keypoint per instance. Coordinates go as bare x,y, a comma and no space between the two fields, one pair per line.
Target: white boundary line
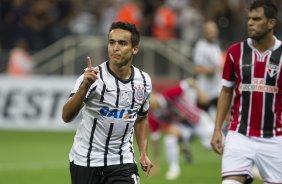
26,166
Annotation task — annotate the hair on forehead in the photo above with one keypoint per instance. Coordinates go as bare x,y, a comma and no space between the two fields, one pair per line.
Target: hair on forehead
270,9
135,35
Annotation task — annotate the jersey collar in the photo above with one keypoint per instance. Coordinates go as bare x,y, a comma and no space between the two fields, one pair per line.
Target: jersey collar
118,78
277,44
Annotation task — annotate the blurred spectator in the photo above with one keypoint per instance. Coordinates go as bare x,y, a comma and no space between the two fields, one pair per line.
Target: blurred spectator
12,15
60,27
108,15
278,28
148,14
229,17
164,22
177,4
190,21
131,12
20,62
208,65
43,22
37,24
81,22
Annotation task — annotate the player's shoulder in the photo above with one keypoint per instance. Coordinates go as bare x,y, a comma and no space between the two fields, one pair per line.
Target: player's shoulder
103,65
103,70
142,78
201,44
141,74
236,47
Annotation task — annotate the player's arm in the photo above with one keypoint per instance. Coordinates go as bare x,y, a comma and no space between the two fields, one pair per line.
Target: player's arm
202,96
141,133
206,70
200,67
72,107
223,106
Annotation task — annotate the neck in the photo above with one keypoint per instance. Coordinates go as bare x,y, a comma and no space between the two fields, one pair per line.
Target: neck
122,72
264,43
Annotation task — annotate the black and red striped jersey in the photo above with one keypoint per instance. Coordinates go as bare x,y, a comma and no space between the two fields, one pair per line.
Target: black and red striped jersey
180,97
257,103
178,105
105,135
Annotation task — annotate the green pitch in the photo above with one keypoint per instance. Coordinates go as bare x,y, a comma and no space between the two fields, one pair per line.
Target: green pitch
42,157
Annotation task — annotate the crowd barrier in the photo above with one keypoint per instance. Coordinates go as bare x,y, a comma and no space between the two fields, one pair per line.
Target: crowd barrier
34,102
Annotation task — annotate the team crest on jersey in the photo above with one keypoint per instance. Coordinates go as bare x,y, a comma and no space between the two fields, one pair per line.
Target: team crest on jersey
139,93
272,69
125,98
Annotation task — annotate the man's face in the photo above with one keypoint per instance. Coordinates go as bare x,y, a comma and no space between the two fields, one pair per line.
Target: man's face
258,24
120,48
210,31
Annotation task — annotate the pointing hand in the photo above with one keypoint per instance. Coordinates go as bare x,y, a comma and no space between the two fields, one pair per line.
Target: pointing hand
90,73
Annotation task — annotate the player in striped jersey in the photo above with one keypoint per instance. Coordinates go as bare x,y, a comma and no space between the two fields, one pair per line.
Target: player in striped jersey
114,100
252,72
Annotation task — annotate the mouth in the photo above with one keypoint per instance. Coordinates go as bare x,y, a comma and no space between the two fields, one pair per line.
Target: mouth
116,56
251,30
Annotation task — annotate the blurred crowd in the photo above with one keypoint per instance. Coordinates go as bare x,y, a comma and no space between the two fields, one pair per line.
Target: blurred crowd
27,26
40,23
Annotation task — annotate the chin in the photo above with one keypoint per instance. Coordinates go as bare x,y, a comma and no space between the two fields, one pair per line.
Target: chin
114,60
253,36
257,38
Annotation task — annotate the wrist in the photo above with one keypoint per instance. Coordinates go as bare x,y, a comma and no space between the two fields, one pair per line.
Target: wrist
217,129
84,86
143,153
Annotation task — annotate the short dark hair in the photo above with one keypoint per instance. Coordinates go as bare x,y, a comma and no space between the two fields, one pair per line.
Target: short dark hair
135,35
270,9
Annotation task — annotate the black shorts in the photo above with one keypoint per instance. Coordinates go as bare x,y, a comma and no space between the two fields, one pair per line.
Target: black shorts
116,174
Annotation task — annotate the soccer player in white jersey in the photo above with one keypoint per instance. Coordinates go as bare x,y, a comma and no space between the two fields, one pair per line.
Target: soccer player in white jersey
114,99
252,72
208,65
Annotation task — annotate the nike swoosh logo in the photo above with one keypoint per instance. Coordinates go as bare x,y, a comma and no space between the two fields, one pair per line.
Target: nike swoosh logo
110,90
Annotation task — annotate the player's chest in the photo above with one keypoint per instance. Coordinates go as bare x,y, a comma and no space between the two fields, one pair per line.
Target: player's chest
258,66
124,95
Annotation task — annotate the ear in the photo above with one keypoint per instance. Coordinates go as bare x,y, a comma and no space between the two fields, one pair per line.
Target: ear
135,50
271,23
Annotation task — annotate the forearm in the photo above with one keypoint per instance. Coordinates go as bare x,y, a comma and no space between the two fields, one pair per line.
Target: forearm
74,104
202,97
223,106
204,70
141,134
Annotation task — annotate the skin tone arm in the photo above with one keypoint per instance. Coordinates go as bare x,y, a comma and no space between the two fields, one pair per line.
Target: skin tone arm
202,97
223,105
206,70
76,102
141,133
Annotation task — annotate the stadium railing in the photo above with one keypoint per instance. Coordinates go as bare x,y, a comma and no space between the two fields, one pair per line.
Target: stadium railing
171,59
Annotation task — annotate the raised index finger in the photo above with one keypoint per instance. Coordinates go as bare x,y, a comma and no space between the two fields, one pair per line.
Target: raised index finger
89,62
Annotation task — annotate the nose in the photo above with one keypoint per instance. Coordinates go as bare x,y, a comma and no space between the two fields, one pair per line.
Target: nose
250,22
116,46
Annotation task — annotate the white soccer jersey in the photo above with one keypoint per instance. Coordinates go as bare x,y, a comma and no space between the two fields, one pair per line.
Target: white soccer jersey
105,135
208,55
